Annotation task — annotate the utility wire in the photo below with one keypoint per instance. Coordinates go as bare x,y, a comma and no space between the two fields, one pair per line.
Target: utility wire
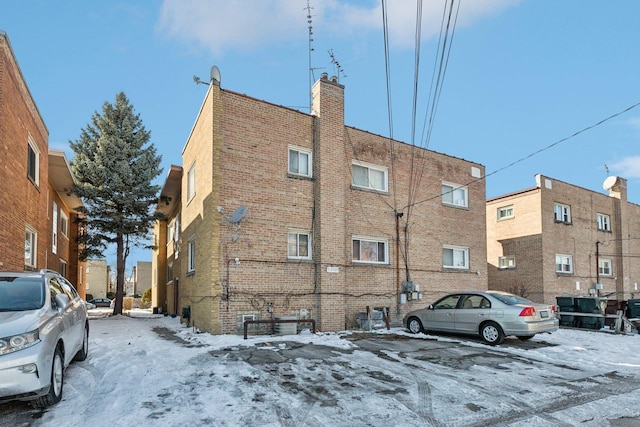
535,152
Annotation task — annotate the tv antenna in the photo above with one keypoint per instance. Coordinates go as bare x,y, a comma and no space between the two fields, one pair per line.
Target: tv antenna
336,64
311,73
199,81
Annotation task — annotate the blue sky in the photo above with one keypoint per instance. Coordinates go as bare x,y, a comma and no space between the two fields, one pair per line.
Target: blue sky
521,75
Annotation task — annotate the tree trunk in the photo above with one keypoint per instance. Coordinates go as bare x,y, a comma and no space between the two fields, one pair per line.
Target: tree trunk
120,267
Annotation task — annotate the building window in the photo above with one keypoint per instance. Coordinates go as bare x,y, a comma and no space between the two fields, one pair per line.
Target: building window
54,224
192,255
505,212
64,223
370,250
169,272
507,262
191,182
455,257
30,247
369,176
562,213
62,269
299,245
564,264
33,161
604,222
299,161
455,195
604,267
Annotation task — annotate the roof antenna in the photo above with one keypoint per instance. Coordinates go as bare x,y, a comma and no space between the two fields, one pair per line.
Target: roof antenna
312,77
335,62
198,81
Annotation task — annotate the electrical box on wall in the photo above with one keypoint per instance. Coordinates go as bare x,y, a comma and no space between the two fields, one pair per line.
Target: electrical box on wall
403,298
408,286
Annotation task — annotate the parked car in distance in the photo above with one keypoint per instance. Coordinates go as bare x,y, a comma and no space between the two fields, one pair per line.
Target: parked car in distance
490,314
101,302
90,306
43,327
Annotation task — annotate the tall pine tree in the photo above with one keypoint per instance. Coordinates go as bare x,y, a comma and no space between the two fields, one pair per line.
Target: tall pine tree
114,170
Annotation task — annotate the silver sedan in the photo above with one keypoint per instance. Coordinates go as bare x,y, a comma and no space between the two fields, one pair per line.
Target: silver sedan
491,314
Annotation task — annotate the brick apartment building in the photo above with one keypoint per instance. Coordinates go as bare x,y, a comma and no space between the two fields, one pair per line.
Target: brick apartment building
39,220
278,213
557,239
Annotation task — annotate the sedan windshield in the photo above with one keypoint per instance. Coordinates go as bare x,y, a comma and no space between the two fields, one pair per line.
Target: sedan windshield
21,293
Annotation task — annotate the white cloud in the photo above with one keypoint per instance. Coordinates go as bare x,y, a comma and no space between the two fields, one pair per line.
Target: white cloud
628,167
221,26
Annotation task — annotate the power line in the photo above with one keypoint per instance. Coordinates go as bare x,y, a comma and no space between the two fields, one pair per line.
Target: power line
536,152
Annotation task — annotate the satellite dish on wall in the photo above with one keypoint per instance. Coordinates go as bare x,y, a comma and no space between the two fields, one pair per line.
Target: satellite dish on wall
238,214
609,182
215,75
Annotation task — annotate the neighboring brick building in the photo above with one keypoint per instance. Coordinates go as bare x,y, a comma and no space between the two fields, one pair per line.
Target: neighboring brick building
39,218
280,213
558,239
98,278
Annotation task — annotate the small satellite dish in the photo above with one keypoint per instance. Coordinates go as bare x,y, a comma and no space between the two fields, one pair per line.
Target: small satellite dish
238,214
609,182
215,75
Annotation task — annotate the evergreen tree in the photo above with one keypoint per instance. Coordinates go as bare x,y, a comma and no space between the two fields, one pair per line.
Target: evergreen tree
114,172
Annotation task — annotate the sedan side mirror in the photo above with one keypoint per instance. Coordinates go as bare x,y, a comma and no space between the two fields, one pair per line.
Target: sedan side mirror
430,307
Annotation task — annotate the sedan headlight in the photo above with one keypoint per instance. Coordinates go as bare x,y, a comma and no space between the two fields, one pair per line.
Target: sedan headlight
19,342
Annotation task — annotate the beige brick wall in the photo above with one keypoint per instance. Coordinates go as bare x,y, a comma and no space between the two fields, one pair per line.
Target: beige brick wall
242,145
535,238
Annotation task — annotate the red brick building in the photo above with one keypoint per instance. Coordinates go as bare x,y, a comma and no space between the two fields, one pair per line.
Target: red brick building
39,218
278,213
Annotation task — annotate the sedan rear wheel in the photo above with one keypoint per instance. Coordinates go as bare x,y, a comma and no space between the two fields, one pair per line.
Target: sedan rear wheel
414,325
492,333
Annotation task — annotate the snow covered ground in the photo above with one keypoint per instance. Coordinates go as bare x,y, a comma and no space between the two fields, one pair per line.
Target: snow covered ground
151,370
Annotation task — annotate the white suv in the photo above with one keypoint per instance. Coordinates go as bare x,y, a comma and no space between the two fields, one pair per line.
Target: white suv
43,327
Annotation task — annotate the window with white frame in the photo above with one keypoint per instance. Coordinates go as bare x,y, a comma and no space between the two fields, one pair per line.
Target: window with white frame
505,212
299,245
299,161
369,176
507,262
54,226
30,247
455,257
604,222
191,182
455,195
33,161
370,250
64,223
562,213
191,256
604,267
564,263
